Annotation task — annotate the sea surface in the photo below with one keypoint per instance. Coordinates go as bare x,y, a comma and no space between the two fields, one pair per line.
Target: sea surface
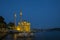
51,35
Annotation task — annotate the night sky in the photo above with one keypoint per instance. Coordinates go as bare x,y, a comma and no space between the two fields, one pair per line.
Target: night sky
41,13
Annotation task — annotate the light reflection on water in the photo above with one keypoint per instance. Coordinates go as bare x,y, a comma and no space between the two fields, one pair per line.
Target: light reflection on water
54,35
15,37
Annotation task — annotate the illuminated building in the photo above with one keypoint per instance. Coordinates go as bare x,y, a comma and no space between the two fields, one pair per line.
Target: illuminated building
23,26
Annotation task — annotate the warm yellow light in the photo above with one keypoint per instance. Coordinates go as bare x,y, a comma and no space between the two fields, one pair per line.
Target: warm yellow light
24,22
18,29
25,26
28,23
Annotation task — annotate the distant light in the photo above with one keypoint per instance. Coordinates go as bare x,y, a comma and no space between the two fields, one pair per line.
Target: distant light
18,29
15,14
20,13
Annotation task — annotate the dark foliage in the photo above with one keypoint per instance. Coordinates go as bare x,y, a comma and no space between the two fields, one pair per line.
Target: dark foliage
2,22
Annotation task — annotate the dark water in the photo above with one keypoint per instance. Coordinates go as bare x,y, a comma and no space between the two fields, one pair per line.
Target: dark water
53,35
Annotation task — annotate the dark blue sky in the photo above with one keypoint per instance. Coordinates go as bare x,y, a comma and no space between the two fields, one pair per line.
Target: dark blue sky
41,13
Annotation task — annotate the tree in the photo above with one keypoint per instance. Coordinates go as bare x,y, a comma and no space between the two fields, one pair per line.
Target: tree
1,19
2,22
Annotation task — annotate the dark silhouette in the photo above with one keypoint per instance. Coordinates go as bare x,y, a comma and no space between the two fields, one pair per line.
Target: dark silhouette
2,22
53,29
11,25
1,19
